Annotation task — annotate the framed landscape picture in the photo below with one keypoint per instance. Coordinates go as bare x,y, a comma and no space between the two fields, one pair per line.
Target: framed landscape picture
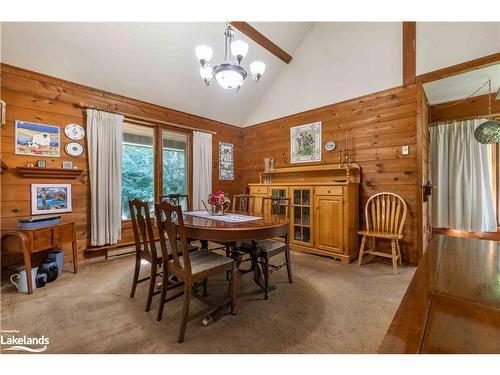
226,162
37,139
50,198
305,143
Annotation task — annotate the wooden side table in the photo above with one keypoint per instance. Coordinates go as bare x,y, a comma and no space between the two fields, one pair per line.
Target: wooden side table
29,241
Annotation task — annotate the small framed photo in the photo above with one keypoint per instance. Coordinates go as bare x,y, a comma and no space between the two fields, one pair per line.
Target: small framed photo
41,163
67,165
50,198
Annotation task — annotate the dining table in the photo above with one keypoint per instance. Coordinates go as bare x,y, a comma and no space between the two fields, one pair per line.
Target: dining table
229,230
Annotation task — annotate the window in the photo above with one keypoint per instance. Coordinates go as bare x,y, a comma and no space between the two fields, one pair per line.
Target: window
175,163
137,165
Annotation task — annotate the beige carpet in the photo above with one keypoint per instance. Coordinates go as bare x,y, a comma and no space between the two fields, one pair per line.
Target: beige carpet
330,308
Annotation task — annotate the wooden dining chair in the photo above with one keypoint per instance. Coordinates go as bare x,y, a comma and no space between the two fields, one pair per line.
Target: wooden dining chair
243,202
176,199
269,248
145,247
385,215
189,268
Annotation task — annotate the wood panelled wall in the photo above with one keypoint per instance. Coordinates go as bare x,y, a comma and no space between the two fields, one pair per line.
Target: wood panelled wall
39,98
378,126
476,106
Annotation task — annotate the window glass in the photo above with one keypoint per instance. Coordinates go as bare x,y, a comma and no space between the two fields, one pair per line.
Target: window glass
137,166
175,163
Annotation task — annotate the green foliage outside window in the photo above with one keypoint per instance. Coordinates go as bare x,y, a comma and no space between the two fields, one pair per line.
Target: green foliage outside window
137,175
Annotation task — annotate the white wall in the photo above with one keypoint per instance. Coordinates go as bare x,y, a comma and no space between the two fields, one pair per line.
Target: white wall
441,44
335,62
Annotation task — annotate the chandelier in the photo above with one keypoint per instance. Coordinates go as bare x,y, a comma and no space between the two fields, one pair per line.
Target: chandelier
230,74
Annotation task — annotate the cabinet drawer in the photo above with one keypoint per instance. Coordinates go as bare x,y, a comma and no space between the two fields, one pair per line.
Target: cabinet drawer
42,239
258,190
63,234
328,190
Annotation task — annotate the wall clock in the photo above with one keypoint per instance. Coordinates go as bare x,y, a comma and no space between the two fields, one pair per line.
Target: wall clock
74,132
74,149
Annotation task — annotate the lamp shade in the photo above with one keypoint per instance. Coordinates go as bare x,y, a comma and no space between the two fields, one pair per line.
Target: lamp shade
257,67
488,132
203,52
239,49
206,72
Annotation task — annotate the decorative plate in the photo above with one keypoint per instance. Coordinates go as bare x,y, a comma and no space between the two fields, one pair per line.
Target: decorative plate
330,146
74,149
74,132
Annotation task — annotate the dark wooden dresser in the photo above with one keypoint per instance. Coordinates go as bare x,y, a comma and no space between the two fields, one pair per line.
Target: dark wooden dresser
452,304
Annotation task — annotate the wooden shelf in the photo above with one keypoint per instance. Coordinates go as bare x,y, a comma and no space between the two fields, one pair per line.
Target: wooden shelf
34,172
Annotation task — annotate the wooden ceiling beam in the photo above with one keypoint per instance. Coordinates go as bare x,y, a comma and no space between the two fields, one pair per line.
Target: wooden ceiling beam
409,53
260,39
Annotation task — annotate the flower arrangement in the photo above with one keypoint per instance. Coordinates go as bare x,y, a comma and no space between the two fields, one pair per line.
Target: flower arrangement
218,198
219,203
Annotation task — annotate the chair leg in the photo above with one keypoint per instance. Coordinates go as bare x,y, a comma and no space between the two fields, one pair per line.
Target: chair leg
205,287
163,297
235,280
152,284
266,276
228,254
137,270
394,260
399,252
185,312
288,264
361,250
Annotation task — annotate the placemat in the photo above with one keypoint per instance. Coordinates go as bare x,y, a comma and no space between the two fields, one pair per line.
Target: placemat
228,218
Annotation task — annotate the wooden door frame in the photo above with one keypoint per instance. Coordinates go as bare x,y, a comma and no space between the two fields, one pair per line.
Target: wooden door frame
421,79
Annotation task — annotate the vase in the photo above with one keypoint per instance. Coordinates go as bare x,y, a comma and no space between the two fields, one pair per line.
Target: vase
217,209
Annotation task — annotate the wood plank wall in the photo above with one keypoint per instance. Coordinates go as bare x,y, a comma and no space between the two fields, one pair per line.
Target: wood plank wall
378,126
476,106
39,98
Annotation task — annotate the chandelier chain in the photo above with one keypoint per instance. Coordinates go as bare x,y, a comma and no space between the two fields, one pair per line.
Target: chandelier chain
488,82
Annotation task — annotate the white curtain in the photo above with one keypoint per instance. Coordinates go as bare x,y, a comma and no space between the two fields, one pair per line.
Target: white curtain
202,168
104,137
462,196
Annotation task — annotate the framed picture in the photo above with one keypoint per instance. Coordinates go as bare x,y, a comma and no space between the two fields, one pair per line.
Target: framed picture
305,143
41,164
67,165
37,139
50,198
226,162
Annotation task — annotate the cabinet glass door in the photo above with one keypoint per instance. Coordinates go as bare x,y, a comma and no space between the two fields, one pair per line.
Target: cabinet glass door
302,215
280,192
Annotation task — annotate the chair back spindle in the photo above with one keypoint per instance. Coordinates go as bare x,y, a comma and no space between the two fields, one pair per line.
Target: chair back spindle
275,205
176,199
142,228
243,202
385,212
171,228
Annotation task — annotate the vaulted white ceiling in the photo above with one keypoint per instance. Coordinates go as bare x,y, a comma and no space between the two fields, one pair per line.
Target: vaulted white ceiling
154,62
461,86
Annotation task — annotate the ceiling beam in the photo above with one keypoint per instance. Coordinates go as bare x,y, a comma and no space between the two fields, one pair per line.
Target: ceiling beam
409,55
260,39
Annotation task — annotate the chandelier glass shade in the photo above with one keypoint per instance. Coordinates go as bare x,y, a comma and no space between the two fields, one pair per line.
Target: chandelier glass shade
489,131
230,74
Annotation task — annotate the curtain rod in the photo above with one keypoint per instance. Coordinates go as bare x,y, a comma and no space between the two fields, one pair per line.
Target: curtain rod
465,118
133,117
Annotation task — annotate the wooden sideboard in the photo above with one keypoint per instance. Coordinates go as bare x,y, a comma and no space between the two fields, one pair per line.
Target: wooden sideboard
324,204
452,304
29,241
